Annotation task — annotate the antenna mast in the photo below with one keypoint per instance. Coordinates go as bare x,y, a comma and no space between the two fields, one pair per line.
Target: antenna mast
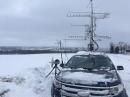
91,44
91,27
60,46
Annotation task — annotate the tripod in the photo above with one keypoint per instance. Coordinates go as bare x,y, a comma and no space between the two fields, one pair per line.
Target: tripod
54,68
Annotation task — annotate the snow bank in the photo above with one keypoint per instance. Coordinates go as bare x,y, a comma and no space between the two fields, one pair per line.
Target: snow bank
31,68
34,68
123,60
34,85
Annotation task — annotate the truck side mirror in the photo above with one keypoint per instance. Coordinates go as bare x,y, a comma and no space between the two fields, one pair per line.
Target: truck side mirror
62,65
120,68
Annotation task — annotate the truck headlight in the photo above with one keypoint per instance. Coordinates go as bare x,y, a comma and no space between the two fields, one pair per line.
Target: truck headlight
116,89
57,84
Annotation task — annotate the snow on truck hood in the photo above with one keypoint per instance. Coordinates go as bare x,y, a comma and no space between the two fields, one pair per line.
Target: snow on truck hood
86,77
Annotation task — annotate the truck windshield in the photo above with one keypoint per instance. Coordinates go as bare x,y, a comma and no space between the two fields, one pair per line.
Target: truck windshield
90,62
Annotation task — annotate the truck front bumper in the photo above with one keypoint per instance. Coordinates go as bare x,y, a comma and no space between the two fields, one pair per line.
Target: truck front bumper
65,94
87,91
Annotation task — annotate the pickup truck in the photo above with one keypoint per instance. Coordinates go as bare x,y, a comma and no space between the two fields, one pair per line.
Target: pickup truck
88,75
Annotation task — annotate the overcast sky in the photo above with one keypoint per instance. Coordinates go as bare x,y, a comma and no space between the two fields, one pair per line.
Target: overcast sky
42,22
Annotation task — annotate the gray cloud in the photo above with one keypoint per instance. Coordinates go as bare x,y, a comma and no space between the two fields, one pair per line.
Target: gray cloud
42,22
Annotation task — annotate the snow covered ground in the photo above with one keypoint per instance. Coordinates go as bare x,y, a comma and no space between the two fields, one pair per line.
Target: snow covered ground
125,75
24,75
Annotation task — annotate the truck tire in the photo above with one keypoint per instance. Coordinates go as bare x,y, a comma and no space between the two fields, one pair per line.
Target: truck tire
55,92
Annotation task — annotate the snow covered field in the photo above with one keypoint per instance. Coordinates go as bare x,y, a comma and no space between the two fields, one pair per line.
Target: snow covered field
24,75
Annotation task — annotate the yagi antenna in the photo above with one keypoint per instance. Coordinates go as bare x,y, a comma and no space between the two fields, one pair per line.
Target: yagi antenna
89,29
87,14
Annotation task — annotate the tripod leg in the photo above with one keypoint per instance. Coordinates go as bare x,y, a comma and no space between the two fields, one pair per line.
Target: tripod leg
58,69
50,72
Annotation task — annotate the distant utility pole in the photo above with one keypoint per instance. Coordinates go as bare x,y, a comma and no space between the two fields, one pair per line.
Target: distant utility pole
90,33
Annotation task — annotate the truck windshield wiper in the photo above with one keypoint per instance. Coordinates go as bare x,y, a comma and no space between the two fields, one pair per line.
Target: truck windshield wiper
89,69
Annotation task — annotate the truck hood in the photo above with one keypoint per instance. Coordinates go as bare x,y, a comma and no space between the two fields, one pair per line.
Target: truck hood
87,77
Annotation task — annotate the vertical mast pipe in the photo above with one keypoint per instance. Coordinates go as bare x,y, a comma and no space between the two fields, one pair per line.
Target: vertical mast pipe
91,45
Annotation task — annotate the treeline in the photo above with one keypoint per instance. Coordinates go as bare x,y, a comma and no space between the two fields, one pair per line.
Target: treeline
34,50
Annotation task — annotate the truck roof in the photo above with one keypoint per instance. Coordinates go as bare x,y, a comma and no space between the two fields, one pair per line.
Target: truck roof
90,53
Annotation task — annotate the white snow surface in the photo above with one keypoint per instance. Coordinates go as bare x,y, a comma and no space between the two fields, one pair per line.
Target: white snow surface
26,73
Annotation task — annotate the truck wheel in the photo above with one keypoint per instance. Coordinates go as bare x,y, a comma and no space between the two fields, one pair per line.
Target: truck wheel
54,92
123,94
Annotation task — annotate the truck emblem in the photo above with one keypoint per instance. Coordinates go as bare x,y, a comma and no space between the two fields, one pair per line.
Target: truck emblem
73,82
84,94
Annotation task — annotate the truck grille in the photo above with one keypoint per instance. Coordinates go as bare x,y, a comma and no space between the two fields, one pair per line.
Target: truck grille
69,90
